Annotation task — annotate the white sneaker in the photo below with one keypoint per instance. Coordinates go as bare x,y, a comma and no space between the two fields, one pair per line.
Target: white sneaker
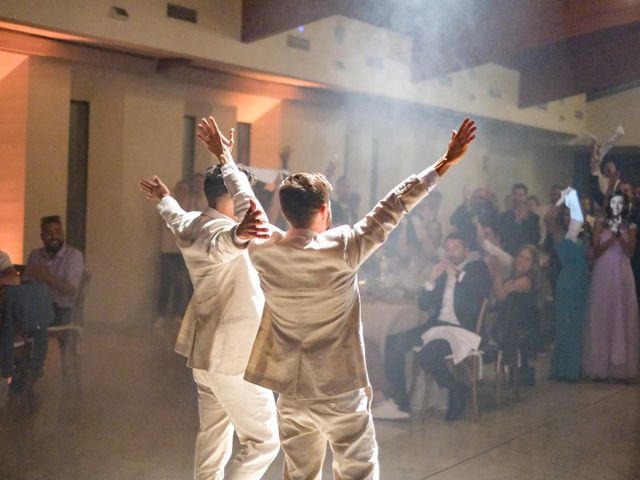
388,410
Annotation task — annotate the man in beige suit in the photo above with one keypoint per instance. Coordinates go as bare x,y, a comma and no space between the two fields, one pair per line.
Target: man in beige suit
219,328
309,346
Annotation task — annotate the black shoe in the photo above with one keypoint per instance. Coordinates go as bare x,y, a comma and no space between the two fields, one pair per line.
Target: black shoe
458,397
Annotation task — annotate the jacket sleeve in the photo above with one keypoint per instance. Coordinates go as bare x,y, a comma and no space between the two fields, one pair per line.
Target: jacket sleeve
173,215
428,299
367,235
477,287
221,244
239,188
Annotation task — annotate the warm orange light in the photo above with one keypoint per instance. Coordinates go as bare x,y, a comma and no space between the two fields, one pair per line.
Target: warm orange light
13,145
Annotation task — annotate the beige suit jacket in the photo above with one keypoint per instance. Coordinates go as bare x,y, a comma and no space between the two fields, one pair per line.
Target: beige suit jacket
221,322
310,344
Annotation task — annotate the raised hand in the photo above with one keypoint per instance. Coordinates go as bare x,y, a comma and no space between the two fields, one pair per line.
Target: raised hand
211,137
154,189
252,225
460,141
458,146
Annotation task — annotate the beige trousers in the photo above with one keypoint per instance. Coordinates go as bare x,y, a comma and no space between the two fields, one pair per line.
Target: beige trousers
343,420
226,403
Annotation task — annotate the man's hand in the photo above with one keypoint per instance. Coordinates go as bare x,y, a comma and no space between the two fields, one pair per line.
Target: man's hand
438,270
211,137
458,146
41,273
154,189
253,224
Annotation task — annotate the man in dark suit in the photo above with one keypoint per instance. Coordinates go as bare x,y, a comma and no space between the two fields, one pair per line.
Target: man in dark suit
453,296
519,226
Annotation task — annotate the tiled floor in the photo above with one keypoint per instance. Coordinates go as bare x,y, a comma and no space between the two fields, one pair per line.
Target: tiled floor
133,416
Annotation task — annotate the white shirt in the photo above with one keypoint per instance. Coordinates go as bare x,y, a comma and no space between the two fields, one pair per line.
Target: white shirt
505,260
447,311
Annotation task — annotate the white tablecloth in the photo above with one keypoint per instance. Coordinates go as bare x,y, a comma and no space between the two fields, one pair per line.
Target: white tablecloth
380,319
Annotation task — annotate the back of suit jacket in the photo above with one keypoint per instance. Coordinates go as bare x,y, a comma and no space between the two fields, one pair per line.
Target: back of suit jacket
219,327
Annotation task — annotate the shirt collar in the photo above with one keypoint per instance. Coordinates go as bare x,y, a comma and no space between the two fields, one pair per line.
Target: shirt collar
215,214
302,232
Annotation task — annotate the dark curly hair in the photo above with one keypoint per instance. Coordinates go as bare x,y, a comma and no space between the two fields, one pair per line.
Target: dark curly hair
214,187
626,212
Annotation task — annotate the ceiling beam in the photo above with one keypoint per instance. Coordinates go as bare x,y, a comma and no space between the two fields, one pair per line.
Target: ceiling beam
263,18
475,33
597,61
176,69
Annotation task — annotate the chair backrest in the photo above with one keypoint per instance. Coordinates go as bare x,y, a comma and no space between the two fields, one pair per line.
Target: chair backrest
483,312
78,309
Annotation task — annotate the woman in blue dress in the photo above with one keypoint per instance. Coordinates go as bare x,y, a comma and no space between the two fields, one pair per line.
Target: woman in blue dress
564,222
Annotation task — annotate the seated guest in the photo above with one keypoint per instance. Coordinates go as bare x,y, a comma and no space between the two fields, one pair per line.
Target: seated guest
517,317
25,310
453,296
8,273
59,266
479,207
518,226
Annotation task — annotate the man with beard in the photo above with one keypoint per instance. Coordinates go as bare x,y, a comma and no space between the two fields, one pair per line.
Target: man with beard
59,266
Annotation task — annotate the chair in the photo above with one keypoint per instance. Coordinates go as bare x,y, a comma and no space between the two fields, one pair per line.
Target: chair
504,370
73,330
471,366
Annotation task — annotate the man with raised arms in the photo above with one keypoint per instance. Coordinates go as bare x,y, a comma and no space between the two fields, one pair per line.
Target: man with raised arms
219,328
309,346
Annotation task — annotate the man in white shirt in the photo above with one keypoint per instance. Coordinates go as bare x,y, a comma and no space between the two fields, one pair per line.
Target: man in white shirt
309,347
219,328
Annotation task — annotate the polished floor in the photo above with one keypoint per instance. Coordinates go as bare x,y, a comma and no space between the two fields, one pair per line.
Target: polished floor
131,414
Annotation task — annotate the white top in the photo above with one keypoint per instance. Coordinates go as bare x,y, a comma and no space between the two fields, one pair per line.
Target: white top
447,312
505,260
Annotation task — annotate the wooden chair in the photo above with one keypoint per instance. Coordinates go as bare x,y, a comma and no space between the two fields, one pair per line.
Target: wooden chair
470,366
506,370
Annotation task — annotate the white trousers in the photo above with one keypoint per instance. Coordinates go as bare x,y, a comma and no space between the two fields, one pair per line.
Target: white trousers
226,403
343,420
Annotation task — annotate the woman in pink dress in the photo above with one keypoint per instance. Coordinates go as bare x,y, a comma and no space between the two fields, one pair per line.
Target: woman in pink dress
612,331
